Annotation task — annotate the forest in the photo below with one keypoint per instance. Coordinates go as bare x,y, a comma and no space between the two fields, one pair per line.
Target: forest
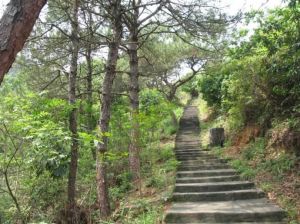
91,105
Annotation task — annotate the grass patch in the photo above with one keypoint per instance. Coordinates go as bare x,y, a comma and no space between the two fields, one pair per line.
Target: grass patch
277,176
158,170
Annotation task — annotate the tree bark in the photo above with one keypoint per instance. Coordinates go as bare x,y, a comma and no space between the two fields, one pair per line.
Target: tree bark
72,217
15,26
89,88
134,159
134,151
106,98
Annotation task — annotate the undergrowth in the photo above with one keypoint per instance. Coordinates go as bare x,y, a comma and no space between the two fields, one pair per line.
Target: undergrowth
147,206
274,171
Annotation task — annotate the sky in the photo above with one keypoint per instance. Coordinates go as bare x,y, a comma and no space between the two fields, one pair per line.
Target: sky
247,5
233,5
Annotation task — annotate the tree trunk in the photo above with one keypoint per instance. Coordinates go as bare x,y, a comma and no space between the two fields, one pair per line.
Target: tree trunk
89,88
104,125
134,159
216,137
15,26
73,117
110,74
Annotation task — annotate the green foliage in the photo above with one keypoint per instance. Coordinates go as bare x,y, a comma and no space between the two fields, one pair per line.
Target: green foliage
34,143
254,150
152,214
155,115
259,79
291,209
244,169
210,87
122,185
279,165
39,124
191,87
158,163
141,211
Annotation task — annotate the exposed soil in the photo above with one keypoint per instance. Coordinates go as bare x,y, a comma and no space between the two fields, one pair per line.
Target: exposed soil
285,191
248,134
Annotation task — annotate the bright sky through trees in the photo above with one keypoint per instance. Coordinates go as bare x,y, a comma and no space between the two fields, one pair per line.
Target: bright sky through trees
234,5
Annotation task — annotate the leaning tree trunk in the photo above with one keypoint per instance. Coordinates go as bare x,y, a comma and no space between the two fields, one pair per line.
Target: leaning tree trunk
15,26
216,137
102,188
73,117
134,159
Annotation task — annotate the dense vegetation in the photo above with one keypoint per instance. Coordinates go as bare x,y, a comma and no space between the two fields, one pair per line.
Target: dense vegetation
35,144
254,93
90,109
258,79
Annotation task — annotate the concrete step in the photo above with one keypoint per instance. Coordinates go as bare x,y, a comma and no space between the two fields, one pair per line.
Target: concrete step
204,162
231,223
199,158
190,132
191,140
202,167
183,142
218,195
257,210
208,179
204,155
188,143
191,152
187,146
206,173
213,187
188,138
193,155
201,163
184,147
188,151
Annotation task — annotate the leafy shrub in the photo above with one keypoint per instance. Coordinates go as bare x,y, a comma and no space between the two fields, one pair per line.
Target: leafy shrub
155,180
210,87
254,150
284,162
244,169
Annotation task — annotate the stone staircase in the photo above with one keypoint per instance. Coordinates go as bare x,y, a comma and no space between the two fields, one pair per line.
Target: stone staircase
208,190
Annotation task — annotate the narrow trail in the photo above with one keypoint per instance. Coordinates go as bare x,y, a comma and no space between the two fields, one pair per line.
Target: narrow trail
208,190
